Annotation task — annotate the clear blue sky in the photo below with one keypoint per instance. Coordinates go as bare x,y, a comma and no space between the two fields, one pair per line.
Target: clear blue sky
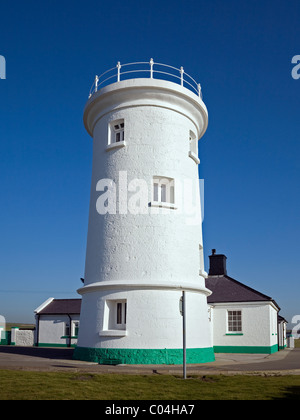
241,53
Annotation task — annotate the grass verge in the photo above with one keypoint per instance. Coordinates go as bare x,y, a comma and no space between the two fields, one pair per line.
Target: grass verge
27,385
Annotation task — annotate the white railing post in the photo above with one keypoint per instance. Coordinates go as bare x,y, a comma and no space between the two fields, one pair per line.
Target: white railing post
151,68
96,83
199,90
181,77
118,67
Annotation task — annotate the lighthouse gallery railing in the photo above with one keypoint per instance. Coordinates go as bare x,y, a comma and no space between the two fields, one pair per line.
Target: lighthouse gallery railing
142,69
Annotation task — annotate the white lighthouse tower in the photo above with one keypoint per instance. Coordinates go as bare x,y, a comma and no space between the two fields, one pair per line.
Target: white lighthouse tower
144,244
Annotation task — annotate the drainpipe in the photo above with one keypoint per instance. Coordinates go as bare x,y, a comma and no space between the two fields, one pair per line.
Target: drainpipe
70,331
37,329
278,342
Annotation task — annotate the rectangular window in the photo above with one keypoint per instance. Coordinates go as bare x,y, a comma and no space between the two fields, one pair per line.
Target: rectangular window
117,132
193,143
114,318
121,309
73,330
163,197
163,190
193,147
116,135
75,327
234,321
67,328
119,313
115,315
201,260
155,191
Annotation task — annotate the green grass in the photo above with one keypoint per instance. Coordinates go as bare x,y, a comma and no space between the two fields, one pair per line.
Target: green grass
26,385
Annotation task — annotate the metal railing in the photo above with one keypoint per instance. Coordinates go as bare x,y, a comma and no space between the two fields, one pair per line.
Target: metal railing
145,69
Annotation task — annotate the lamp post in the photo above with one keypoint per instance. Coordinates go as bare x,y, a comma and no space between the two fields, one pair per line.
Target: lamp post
183,314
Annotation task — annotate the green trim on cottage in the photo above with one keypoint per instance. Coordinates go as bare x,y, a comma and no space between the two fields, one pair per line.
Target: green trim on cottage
247,349
54,345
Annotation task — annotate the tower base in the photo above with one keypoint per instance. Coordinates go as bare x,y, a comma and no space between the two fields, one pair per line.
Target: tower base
143,356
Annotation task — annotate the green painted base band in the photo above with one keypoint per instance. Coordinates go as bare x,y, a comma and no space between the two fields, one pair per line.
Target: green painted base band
54,345
247,349
143,356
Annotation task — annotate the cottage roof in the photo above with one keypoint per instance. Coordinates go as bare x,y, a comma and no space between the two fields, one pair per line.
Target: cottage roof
61,306
226,289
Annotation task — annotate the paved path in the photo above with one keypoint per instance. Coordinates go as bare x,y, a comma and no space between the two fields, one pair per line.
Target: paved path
56,359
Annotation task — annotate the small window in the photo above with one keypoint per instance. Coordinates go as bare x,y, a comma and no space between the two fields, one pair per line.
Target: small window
163,190
193,143
117,132
115,315
75,327
234,321
121,313
193,147
201,260
67,328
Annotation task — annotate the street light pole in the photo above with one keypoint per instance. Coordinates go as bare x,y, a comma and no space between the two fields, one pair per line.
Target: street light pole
184,332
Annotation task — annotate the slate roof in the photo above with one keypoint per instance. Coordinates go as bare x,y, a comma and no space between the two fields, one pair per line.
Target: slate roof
281,319
62,306
227,289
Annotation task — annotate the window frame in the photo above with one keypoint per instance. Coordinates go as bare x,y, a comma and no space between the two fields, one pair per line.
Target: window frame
67,329
121,315
70,328
75,327
201,261
234,326
164,194
113,133
193,147
115,318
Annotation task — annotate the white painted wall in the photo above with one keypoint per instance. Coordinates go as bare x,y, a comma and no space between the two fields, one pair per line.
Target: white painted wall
153,320
52,329
259,324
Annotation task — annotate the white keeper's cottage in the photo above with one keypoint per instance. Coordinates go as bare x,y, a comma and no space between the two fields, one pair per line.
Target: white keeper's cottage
243,320
57,323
